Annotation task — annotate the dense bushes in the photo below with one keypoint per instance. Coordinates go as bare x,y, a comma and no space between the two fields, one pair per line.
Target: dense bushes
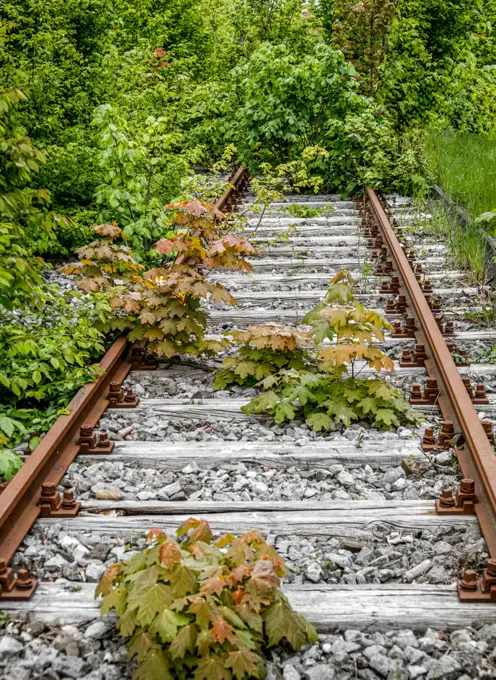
288,103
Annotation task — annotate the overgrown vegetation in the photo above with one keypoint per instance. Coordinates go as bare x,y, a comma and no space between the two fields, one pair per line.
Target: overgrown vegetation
264,351
202,608
466,246
161,306
465,166
47,345
320,384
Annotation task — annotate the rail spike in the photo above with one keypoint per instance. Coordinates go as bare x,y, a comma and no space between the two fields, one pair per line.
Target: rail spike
89,442
119,398
53,505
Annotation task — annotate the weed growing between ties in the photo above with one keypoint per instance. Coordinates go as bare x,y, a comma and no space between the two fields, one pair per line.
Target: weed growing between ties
202,608
323,388
466,247
264,351
161,307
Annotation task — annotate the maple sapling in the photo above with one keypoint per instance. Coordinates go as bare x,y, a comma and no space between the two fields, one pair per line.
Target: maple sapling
328,396
265,350
162,307
202,608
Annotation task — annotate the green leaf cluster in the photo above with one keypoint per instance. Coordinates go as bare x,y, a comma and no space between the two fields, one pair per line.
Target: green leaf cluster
45,357
201,608
263,351
26,225
321,391
325,401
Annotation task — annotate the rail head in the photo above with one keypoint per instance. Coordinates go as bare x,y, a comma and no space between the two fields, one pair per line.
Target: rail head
236,182
476,456
19,507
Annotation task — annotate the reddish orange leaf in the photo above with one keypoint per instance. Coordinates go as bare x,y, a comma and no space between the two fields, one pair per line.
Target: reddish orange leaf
169,554
153,534
222,631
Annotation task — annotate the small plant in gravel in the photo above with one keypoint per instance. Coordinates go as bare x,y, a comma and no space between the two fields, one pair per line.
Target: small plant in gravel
304,211
162,306
201,608
325,400
328,395
265,350
342,320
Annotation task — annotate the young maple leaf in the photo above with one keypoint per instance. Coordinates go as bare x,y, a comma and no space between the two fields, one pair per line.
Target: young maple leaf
106,582
142,646
202,611
109,230
212,668
148,316
154,534
201,530
155,665
263,575
385,416
222,631
282,622
214,584
165,246
250,616
245,664
183,581
91,285
319,421
224,540
169,554
131,305
197,207
238,574
154,600
183,642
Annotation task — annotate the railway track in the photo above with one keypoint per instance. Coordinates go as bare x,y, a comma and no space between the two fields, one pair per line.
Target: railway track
373,540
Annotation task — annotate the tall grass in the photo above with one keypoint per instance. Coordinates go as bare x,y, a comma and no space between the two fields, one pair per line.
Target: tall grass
467,249
464,165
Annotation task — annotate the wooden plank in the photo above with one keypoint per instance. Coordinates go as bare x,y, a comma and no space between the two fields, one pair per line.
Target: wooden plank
332,266
465,336
340,519
328,607
331,221
310,277
336,251
177,372
254,315
249,198
207,455
274,227
339,240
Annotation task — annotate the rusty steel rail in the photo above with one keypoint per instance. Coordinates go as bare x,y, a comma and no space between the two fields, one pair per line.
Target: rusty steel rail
476,458
236,183
19,502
